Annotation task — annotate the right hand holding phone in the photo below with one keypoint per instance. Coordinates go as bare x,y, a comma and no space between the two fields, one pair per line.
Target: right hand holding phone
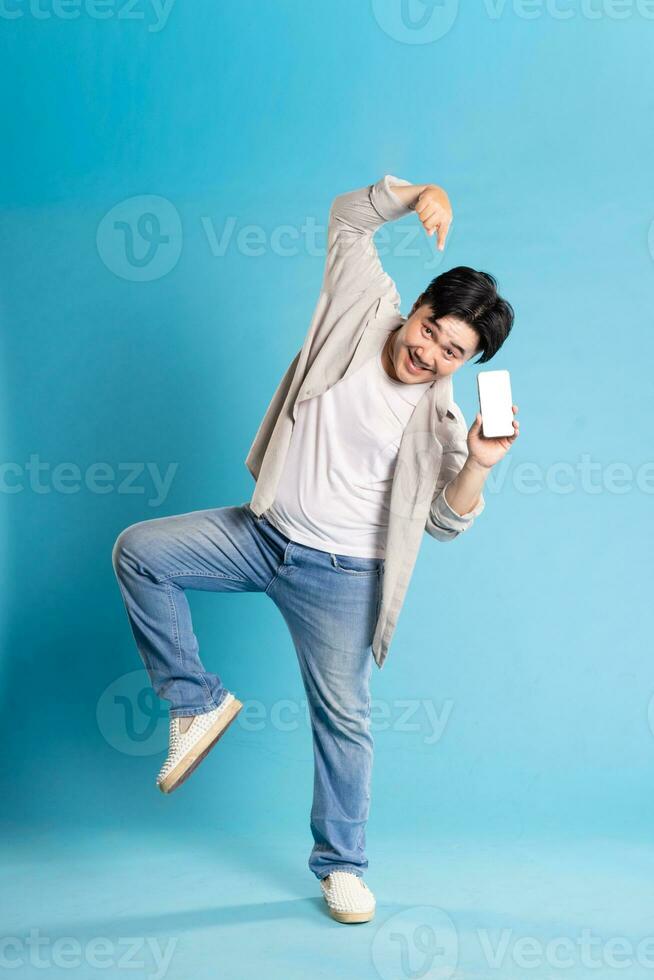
486,451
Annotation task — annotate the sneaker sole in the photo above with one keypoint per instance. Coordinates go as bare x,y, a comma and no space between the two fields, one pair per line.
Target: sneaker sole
350,917
202,747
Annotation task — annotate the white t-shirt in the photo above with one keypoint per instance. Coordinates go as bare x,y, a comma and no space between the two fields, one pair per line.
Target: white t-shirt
334,491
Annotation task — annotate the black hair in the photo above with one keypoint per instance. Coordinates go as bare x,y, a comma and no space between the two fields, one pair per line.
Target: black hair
471,296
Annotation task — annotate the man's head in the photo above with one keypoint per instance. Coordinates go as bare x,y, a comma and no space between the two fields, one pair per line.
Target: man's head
458,316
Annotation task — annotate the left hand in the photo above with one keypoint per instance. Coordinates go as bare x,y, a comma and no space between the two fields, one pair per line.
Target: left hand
485,450
435,212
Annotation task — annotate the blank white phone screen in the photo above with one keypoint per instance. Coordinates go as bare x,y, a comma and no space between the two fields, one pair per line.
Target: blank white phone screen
495,403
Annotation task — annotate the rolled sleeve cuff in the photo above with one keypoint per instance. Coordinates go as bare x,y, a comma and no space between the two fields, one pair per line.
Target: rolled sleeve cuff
385,202
444,516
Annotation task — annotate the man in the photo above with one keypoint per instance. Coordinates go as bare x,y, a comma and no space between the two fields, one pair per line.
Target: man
360,451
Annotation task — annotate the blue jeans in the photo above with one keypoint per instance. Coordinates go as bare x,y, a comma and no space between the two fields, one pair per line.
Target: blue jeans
330,603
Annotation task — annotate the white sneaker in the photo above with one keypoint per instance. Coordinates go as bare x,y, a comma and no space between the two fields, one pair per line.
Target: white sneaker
188,749
348,897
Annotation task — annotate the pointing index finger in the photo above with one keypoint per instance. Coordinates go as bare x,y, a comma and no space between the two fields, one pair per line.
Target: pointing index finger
443,230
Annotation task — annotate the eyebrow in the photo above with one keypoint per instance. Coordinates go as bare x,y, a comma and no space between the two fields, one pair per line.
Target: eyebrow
450,342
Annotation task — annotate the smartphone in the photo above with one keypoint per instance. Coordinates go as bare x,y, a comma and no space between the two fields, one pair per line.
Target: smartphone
495,403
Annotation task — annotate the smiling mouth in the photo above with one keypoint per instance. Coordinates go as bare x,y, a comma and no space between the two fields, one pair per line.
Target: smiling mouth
416,364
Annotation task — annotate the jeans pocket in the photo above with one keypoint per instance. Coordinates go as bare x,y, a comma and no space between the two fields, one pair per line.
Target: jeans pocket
357,566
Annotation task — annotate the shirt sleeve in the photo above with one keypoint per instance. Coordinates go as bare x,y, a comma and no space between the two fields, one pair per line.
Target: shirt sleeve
448,519
353,266
444,523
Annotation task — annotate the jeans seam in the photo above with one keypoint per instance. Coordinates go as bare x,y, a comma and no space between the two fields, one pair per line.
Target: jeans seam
162,579
352,571
208,690
178,645
215,703
174,624
380,590
283,564
147,661
274,579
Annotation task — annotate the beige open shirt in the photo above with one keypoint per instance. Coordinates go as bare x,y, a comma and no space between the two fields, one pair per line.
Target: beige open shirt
357,308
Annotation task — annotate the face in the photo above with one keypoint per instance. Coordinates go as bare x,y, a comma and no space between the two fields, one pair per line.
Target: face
421,350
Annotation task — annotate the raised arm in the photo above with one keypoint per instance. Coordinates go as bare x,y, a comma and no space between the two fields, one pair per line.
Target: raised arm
353,265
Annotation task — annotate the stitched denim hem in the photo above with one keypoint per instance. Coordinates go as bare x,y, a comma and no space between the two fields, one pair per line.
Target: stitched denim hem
200,710
340,867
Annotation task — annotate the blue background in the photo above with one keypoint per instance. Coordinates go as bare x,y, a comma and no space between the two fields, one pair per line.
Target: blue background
529,636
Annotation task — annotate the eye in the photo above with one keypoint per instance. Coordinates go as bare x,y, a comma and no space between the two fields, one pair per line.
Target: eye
449,351
428,329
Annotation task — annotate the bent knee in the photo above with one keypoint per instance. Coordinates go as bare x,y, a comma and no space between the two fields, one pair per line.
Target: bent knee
131,546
